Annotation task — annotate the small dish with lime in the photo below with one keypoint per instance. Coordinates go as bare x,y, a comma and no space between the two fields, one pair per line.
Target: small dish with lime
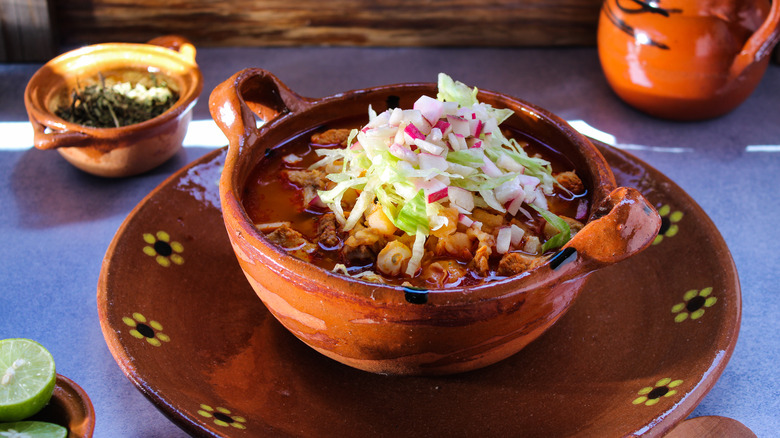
35,401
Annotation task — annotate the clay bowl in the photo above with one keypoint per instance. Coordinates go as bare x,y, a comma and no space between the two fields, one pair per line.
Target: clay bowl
70,407
126,150
395,330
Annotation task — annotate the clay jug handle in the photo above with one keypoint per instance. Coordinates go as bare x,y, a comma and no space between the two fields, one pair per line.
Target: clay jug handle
251,93
760,44
624,224
178,44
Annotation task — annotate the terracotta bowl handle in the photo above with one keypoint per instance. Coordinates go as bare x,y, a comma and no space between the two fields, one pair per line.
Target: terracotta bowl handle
760,44
249,94
178,44
625,223
43,139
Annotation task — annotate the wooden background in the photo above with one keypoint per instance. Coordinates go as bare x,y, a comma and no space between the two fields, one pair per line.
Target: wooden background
37,30
300,22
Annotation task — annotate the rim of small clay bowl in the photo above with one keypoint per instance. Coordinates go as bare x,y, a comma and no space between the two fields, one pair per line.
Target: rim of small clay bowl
321,280
131,56
71,407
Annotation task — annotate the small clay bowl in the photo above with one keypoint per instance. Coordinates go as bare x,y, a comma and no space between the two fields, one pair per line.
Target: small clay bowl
70,407
126,150
395,330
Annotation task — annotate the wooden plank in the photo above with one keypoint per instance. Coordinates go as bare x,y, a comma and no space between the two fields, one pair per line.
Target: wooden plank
3,51
25,31
334,22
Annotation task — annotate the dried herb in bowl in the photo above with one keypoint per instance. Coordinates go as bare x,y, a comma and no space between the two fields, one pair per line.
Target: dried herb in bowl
111,104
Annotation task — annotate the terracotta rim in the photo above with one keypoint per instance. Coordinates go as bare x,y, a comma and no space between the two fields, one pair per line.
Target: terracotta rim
190,81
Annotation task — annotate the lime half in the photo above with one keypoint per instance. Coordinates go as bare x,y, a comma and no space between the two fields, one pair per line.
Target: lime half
32,429
27,378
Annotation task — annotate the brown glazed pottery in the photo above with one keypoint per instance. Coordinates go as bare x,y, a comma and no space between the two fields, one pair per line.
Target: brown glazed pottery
711,427
127,150
394,330
686,59
69,407
635,354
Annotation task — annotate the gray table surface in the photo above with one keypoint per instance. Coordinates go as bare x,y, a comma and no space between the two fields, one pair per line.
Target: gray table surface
57,222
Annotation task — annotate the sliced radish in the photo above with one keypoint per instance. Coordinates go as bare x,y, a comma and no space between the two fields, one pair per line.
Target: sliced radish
528,180
435,196
443,126
416,118
508,191
435,136
461,198
396,116
473,143
475,127
582,211
457,141
430,108
429,147
514,206
449,109
459,125
379,120
317,202
430,186
517,234
465,220
490,168
403,153
490,200
503,240
467,113
540,200
431,161
413,132
400,138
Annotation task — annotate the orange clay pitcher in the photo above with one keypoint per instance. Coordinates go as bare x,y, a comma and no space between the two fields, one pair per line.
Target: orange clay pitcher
686,59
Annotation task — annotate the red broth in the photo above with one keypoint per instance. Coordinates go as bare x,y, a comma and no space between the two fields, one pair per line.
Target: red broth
270,198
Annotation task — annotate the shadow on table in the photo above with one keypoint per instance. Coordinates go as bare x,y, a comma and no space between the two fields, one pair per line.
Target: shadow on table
49,191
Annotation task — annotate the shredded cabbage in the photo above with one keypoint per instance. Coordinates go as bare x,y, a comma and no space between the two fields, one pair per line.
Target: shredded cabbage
405,160
559,224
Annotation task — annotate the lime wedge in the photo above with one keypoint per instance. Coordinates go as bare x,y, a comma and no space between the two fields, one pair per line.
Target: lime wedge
27,378
32,429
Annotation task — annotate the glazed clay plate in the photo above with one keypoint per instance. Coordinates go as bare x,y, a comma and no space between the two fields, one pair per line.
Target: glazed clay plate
639,349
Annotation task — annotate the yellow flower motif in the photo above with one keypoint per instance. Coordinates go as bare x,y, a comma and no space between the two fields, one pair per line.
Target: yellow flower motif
143,329
694,304
669,221
650,395
222,417
163,249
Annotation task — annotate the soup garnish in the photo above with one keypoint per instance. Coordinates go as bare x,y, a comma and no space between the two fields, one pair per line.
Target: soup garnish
433,196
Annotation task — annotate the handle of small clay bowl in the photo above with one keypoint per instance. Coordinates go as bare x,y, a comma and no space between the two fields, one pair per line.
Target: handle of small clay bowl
625,223
56,139
760,44
178,44
251,92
